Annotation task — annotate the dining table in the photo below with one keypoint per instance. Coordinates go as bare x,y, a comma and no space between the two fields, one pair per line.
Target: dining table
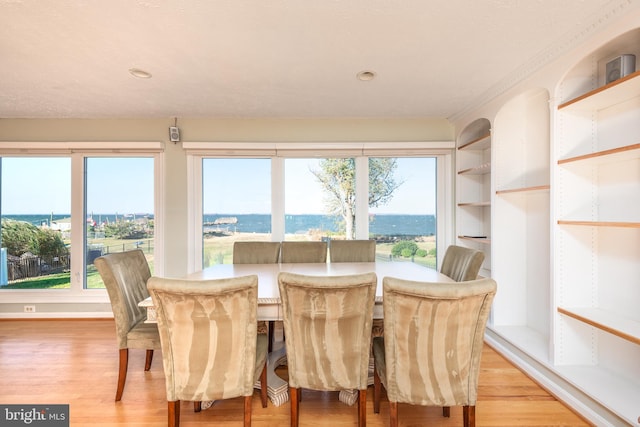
269,306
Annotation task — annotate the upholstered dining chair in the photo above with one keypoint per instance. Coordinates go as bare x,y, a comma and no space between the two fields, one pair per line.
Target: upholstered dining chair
327,321
125,276
462,264
210,345
297,252
352,251
432,344
256,252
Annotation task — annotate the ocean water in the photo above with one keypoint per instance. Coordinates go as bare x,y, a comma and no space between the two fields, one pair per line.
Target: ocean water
408,225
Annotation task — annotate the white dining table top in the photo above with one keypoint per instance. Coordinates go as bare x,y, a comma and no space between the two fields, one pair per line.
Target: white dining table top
268,273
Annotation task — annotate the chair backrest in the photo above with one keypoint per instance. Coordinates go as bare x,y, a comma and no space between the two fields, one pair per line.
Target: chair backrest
256,252
296,252
433,338
352,251
327,322
208,332
462,264
125,276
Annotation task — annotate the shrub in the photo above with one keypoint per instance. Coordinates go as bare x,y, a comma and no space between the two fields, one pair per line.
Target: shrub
404,248
421,253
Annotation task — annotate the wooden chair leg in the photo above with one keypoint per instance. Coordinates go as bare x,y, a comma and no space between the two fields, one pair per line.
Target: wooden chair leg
263,386
174,413
148,360
122,372
197,406
247,411
295,405
446,411
469,416
393,414
362,408
377,390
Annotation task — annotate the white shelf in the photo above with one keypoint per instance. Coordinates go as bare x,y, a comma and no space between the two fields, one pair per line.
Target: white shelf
607,321
474,204
526,339
613,155
481,143
534,189
620,395
613,93
482,169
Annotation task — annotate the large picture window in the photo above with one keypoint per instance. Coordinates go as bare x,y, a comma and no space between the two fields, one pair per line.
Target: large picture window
392,200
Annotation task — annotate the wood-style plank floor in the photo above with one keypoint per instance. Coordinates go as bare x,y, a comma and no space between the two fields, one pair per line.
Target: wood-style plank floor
75,362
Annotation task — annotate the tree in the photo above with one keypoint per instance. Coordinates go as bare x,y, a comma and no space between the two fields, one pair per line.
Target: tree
337,177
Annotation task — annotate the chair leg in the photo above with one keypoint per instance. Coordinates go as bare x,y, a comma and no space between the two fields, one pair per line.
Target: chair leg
362,408
270,332
469,416
446,411
247,411
174,413
263,386
377,390
197,406
122,372
295,405
393,414
148,360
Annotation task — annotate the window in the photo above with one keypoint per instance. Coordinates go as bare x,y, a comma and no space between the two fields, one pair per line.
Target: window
74,206
36,222
118,209
401,217
236,201
402,212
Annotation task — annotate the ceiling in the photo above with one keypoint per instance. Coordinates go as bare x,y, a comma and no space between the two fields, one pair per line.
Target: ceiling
274,58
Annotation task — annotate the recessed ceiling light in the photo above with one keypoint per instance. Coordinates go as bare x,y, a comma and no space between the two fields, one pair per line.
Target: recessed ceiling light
141,74
365,76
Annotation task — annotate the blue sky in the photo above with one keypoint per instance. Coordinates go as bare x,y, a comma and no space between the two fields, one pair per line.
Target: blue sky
303,193
125,185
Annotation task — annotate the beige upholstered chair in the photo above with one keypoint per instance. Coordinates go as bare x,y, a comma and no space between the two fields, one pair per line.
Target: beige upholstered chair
462,264
327,321
210,346
125,276
256,252
352,251
296,252
432,344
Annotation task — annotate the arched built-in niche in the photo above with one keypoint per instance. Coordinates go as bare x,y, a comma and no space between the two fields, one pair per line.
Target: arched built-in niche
520,213
597,230
473,189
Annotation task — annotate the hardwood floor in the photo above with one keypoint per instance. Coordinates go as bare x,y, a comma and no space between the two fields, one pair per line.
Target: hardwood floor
75,362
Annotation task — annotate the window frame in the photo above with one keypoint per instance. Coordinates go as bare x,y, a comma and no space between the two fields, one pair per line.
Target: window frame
443,151
78,152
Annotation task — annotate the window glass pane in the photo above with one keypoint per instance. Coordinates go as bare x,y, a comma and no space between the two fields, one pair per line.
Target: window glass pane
119,209
36,222
236,205
319,198
402,209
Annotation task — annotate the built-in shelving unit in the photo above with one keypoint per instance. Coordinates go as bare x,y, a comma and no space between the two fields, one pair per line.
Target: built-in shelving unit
473,189
597,231
521,223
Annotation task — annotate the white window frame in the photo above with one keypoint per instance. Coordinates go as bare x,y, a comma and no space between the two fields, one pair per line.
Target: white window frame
77,152
279,151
